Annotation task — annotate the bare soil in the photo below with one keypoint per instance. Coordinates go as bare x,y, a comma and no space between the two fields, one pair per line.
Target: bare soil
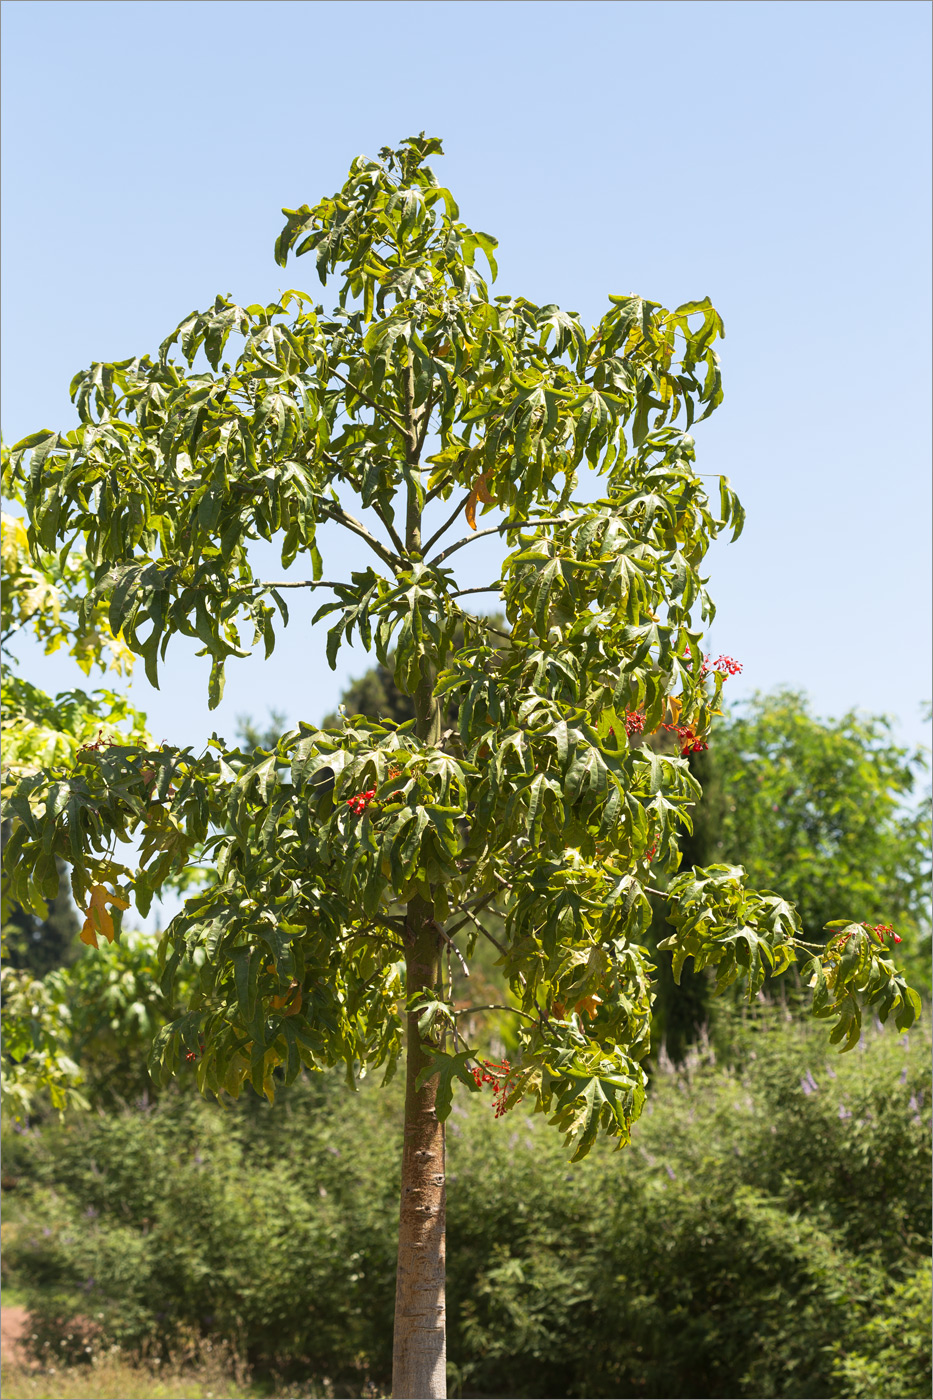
14,1322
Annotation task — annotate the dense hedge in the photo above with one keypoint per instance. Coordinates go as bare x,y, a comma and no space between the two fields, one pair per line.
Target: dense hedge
767,1234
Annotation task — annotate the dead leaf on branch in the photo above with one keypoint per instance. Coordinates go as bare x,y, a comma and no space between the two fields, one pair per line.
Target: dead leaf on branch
479,492
290,1003
99,918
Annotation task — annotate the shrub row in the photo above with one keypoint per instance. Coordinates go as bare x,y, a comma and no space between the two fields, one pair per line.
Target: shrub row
767,1234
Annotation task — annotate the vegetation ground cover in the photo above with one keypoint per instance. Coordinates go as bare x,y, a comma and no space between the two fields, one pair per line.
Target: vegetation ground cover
766,1234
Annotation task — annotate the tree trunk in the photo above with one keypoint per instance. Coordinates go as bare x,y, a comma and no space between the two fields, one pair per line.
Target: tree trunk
419,1354
419,1361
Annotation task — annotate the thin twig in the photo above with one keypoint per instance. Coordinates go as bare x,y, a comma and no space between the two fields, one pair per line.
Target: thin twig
298,583
356,527
385,942
447,523
480,905
493,1006
495,530
486,934
452,945
379,407
390,530
489,588
435,491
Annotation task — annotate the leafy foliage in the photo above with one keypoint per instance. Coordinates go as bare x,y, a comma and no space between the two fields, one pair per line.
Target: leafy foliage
336,853
40,596
87,1027
818,809
39,945
768,1233
42,734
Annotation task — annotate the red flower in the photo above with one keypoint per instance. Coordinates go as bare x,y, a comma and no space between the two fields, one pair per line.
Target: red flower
361,801
634,722
497,1074
689,741
883,931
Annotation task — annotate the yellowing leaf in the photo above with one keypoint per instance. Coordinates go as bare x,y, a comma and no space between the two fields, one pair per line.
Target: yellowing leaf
291,1001
588,1004
99,919
482,490
478,492
675,706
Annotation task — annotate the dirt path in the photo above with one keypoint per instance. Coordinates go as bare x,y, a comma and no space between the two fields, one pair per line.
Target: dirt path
13,1325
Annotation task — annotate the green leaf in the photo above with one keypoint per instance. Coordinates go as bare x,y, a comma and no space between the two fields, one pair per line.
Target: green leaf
448,1069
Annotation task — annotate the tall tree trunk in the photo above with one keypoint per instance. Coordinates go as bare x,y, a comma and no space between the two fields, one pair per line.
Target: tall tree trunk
419,1355
419,1361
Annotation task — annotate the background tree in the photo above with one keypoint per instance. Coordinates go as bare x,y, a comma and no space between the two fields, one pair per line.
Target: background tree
819,809
353,863
42,595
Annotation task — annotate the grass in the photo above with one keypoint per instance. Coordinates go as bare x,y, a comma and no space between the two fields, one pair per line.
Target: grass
109,1379
112,1377
213,1373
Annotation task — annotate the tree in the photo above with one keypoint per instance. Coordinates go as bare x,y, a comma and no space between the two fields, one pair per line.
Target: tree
356,861
41,592
817,808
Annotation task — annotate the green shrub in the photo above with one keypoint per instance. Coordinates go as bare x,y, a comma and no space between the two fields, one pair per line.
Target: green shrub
895,1357
758,1239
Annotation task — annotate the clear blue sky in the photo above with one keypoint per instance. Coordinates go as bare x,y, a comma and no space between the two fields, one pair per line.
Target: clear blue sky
774,156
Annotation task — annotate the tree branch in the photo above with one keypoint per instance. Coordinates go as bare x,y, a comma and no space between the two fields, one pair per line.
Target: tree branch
425,422
489,588
386,942
452,945
436,490
469,1010
487,899
390,530
338,514
379,407
495,530
299,583
447,523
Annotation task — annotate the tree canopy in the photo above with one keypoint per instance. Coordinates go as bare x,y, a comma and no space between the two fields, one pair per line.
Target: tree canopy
174,471
352,862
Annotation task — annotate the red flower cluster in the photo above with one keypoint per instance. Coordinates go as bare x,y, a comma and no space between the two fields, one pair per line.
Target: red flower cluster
496,1073
687,659
361,801
99,743
650,853
634,722
689,741
883,931
726,665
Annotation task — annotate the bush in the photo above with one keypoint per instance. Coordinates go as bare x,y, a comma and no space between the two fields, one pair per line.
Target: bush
758,1238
